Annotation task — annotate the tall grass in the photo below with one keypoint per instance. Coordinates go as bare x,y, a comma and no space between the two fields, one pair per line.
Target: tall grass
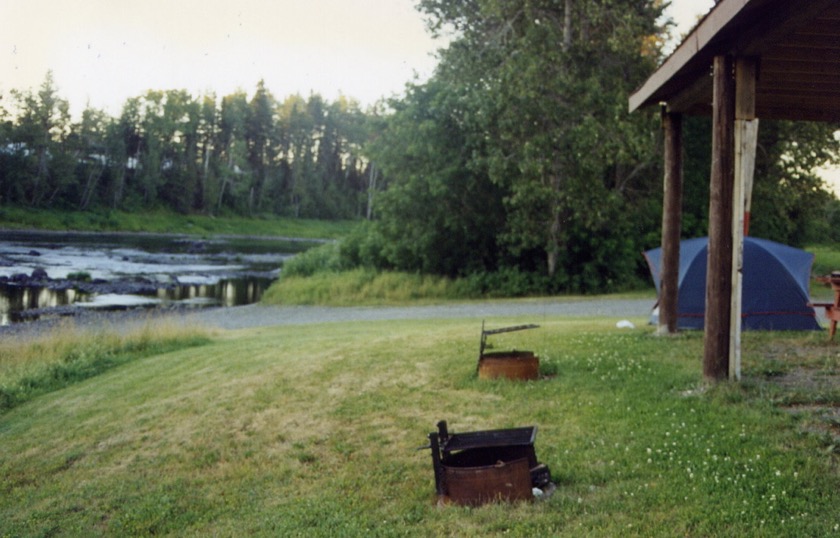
363,287
313,431
34,365
369,287
324,275
321,276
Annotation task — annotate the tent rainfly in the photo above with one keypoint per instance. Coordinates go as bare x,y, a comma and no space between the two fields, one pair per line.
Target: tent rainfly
775,290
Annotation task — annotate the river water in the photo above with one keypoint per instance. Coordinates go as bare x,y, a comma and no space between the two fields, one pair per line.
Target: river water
56,273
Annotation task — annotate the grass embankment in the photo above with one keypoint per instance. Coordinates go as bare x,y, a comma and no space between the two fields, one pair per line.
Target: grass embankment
313,430
31,366
323,276
168,222
366,287
363,287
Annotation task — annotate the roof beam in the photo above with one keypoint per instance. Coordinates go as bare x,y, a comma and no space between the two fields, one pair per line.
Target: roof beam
781,20
796,42
698,40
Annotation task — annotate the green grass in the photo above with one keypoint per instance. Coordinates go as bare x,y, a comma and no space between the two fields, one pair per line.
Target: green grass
169,222
362,287
68,354
366,287
826,260
312,431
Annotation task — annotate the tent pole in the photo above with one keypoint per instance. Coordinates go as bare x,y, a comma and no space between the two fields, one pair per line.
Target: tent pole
746,131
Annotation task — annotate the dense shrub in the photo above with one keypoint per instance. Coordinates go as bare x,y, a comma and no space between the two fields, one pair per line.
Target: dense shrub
323,258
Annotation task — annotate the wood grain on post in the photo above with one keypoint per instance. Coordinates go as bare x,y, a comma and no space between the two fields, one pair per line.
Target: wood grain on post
719,263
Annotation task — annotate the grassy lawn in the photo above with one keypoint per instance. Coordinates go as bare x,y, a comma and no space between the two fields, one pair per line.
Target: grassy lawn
312,431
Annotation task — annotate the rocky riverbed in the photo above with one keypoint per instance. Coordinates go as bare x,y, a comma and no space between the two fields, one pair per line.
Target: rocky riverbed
53,274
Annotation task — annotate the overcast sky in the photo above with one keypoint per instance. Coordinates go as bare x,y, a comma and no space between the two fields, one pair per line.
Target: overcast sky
105,51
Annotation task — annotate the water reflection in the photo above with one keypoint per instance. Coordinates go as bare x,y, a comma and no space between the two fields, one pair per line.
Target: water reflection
19,303
226,292
15,300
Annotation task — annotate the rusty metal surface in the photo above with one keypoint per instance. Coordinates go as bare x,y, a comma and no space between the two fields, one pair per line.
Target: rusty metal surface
500,481
483,466
516,365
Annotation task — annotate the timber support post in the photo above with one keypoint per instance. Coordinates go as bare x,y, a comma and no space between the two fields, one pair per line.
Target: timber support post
671,223
719,263
746,137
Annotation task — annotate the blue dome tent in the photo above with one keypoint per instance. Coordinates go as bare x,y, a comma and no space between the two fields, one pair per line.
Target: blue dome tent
775,285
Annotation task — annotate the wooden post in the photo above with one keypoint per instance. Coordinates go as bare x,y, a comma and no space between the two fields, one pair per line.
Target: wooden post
671,223
719,263
746,130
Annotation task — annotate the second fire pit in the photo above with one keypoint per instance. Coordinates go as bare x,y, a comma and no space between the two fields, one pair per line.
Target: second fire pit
521,365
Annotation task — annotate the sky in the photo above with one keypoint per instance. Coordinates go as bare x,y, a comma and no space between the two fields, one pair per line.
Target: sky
102,52
106,51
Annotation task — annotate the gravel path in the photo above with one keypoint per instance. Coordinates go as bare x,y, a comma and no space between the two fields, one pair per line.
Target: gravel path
243,317
262,316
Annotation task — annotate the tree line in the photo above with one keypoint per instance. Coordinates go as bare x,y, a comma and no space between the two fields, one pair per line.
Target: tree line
519,157
516,165
299,157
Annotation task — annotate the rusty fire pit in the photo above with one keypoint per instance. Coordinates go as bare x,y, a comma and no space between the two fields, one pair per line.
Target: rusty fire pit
518,365
486,466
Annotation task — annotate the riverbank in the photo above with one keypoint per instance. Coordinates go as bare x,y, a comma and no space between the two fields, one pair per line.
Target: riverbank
165,222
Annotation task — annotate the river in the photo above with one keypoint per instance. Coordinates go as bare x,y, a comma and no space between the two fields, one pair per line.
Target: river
45,274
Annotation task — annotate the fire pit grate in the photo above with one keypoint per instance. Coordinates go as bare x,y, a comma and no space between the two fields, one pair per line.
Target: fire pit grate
490,438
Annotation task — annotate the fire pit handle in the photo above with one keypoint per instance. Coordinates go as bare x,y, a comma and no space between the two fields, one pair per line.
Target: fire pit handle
485,333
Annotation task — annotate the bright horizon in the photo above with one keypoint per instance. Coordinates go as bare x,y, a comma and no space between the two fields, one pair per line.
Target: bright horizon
106,51
103,52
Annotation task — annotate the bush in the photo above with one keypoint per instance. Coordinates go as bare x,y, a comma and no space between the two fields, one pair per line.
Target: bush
506,282
323,258
364,248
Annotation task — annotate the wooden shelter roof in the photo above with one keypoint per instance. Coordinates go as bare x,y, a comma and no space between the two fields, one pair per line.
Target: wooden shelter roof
797,44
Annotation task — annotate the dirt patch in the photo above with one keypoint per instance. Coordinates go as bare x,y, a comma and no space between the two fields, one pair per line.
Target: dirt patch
809,379
803,377
820,420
